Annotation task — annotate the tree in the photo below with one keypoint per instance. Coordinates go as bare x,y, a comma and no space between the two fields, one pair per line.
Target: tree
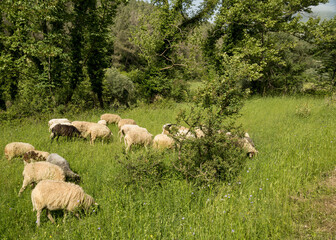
247,28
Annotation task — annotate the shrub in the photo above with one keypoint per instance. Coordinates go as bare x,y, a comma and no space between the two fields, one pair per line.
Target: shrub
118,88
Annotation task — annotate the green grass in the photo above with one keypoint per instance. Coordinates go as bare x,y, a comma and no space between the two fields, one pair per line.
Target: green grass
296,140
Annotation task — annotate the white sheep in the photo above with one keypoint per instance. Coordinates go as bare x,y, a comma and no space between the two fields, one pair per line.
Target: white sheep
181,131
98,131
38,171
103,122
161,141
245,142
82,126
110,118
125,121
56,195
137,136
17,149
34,156
58,120
126,128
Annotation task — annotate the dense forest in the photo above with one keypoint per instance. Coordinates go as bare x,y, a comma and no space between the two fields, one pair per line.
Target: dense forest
62,55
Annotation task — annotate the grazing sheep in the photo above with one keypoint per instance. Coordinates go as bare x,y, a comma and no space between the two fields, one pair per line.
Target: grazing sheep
56,159
35,156
110,118
54,124
123,122
180,130
137,136
56,195
102,122
82,126
36,172
246,143
161,141
58,120
126,128
65,131
16,149
98,131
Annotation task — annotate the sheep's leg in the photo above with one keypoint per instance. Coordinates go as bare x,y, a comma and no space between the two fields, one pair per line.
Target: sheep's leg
49,216
24,185
38,214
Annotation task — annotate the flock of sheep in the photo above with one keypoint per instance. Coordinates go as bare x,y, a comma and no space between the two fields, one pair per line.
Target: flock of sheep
50,171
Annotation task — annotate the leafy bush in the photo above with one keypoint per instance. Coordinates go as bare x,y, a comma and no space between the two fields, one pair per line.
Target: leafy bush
118,88
209,159
143,169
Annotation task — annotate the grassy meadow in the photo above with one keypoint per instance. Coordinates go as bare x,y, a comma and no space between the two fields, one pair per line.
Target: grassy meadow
295,138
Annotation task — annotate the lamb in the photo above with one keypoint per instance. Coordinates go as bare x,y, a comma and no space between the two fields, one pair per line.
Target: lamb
126,128
17,149
36,172
65,131
56,195
125,121
161,141
137,136
110,118
34,156
58,120
56,159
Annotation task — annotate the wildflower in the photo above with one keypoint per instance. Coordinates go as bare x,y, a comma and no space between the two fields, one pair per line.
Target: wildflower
94,210
239,182
250,195
192,193
232,230
225,196
267,179
251,202
182,218
144,203
248,171
260,189
98,228
208,199
229,184
193,233
10,208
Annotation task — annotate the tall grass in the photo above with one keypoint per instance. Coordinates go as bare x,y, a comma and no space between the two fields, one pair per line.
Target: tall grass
296,142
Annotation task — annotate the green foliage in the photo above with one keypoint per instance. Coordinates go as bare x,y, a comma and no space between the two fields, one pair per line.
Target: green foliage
118,88
214,157
144,169
252,30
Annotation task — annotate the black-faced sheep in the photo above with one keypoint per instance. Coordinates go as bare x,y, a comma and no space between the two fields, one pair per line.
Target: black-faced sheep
17,149
110,118
56,159
162,141
137,136
125,121
64,131
35,156
56,195
38,171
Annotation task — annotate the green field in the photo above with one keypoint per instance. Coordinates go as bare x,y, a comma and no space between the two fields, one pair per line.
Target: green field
295,138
